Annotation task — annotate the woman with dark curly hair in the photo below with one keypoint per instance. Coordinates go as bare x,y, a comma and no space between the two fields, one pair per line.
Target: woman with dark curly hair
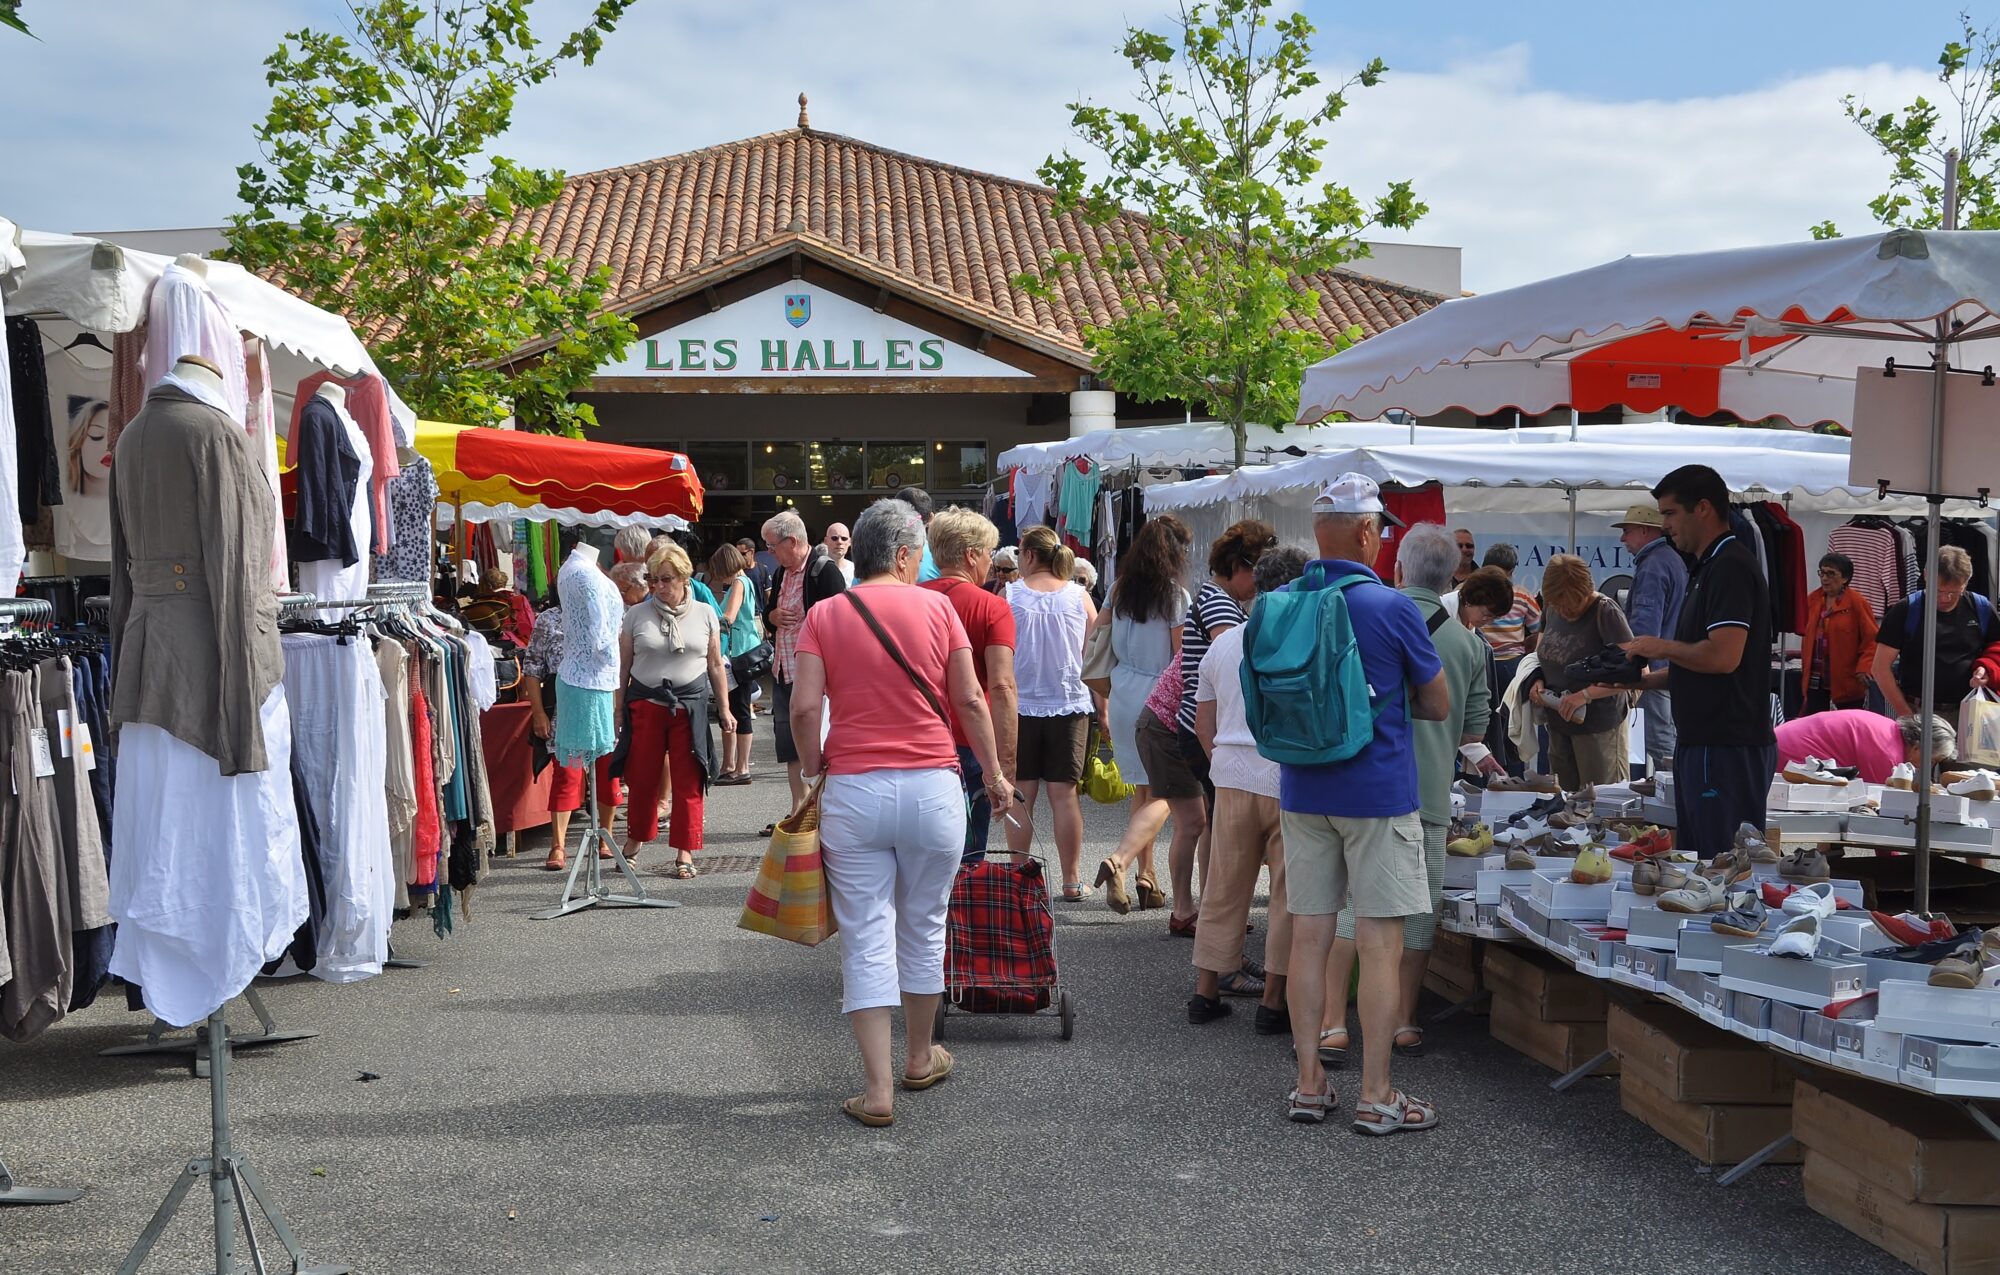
1147,607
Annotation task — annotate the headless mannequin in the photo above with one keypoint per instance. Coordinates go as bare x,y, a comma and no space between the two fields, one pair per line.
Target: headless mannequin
607,811
193,262
330,578
194,368
334,394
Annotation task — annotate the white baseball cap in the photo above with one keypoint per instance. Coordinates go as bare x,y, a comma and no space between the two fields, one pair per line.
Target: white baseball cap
1353,493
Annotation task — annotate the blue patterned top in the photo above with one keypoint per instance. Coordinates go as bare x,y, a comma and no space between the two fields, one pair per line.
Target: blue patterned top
413,496
592,614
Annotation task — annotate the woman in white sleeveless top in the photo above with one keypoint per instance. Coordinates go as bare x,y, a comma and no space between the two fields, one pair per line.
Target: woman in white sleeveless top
1051,615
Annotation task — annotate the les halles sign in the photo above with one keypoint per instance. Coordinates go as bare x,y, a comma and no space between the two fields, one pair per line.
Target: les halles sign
795,332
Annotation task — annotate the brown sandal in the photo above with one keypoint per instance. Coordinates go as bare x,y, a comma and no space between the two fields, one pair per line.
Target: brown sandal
941,1064
556,862
855,1111
1112,878
1149,894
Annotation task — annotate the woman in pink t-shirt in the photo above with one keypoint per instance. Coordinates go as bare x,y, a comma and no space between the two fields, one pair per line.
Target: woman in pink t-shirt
892,815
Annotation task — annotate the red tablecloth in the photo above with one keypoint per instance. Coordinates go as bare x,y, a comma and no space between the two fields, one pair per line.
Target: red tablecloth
520,797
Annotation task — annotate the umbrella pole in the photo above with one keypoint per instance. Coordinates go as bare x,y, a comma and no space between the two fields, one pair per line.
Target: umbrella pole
1927,705
1571,492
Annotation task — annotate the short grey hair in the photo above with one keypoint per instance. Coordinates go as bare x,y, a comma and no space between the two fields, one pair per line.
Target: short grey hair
1084,573
787,525
883,528
629,573
633,543
1944,737
1428,557
1279,567
1504,556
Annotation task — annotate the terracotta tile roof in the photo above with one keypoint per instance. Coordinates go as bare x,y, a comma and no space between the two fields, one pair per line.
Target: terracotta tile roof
945,234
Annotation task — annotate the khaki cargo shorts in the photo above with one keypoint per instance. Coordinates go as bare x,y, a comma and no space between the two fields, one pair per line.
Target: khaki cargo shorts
1374,866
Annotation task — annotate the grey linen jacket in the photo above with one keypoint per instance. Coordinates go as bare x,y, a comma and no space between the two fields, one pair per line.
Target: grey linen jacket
194,622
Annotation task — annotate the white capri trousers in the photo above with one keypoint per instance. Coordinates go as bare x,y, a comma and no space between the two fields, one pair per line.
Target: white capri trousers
891,841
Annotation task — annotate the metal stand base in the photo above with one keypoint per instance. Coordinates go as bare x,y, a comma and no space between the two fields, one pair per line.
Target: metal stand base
1736,1172
1974,1110
195,1046
232,1181
11,1194
1561,1083
590,868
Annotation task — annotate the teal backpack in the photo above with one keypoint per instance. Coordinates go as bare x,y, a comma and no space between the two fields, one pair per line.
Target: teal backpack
1306,697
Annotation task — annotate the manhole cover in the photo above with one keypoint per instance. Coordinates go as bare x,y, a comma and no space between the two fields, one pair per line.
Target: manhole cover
722,865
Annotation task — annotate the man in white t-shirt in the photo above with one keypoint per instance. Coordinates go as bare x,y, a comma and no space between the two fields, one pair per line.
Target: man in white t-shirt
837,540
1246,833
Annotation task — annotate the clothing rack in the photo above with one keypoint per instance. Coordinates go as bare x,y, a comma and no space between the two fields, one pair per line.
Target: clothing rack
11,1192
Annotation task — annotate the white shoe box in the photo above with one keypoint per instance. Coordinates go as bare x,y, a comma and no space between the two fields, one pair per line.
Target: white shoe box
1654,969
1750,1016
1814,797
1497,806
1463,873
1701,947
1944,1013
1942,1066
1489,882
1786,1022
1624,967
1654,927
1898,803
1854,931
1564,899
1812,984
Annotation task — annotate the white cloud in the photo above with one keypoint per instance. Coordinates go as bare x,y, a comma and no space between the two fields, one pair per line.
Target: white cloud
112,121
1534,182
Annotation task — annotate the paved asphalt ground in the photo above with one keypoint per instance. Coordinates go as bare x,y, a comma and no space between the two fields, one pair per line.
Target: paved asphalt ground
656,1091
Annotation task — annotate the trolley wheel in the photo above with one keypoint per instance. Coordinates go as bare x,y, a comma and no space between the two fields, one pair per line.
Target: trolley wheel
1067,1008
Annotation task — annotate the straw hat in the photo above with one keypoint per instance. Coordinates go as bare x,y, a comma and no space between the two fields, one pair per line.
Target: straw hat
1640,516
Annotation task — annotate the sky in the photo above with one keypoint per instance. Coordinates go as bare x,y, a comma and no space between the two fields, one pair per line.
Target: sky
1544,137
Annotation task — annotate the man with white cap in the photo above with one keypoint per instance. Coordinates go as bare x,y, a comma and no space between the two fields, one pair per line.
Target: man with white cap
1353,838
1659,582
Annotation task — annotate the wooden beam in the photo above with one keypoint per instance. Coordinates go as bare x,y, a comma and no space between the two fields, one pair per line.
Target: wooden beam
714,301
985,339
881,300
801,386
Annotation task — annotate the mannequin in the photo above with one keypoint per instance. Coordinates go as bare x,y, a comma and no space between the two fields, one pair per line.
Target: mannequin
193,261
208,882
333,525
588,676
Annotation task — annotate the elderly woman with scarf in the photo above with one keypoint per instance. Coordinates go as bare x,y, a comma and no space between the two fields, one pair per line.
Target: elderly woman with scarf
670,668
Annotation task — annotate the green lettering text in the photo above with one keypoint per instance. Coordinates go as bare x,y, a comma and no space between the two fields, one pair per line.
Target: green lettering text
899,355
774,356
725,354
862,363
930,356
807,357
694,355
832,366
653,363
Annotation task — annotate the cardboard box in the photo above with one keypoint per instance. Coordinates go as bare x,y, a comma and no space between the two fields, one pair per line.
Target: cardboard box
1456,960
1551,993
1558,1046
1911,1147
1936,1239
1711,1132
1690,1062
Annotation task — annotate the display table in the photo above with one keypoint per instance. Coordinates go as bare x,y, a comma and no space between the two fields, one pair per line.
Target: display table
520,796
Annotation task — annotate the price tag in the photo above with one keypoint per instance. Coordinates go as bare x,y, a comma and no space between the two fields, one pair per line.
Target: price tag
86,752
68,735
45,762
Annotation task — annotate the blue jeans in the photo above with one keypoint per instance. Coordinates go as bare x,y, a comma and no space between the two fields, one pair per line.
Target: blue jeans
978,807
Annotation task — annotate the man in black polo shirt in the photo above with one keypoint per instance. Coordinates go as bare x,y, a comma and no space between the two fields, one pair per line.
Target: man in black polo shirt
1966,627
1718,668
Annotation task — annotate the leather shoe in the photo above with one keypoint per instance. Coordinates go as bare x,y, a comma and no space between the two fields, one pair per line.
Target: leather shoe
1609,667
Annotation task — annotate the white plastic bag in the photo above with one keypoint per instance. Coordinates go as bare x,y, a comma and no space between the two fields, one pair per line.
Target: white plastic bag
1979,728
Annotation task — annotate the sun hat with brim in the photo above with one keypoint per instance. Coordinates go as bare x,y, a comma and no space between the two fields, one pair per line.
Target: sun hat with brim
1641,516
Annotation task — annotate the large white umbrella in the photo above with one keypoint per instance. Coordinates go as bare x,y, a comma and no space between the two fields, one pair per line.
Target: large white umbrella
1777,331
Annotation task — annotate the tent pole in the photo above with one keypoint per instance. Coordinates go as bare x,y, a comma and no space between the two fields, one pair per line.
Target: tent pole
1573,419
1940,367
1571,492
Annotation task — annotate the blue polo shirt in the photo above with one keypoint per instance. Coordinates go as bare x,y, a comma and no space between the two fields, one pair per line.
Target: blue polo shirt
1396,652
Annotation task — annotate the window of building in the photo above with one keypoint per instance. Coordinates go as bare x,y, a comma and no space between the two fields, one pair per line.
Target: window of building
896,465
839,466
721,466
957,466
779,467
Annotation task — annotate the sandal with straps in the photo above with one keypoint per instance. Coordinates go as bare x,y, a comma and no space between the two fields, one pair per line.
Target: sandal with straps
1311,1108
1380,1119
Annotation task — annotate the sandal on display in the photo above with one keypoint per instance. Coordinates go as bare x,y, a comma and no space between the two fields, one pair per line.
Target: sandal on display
1401,1114
1975,964
855,1111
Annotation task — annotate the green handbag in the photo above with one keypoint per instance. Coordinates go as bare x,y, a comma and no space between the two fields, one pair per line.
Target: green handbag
1101,781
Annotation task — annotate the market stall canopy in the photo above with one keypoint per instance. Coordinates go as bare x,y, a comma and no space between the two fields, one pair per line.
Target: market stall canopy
1580,466
1766,332
501,474
102,287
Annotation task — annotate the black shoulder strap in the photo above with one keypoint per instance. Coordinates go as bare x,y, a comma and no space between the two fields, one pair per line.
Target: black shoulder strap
896,654
1436,622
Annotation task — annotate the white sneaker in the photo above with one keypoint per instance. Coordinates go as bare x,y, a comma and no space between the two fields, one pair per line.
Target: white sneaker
1812,900
1799,939
1978,786
1904,776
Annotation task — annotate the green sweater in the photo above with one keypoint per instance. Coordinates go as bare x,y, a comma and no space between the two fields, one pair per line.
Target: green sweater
1463,654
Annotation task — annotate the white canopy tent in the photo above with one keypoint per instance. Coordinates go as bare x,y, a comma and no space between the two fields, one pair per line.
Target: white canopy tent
76,285
1554,497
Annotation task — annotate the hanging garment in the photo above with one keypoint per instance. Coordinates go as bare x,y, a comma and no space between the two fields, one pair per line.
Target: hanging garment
13,545
79,399
1425,504
1872,547
194,632
1080,481
207,882
427,831
368,403
34,886
399,766
338,517
37,473
78,834
1034,493
302,952
592,614
479,671
260,422
413,495
128,379
183,316
340,734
